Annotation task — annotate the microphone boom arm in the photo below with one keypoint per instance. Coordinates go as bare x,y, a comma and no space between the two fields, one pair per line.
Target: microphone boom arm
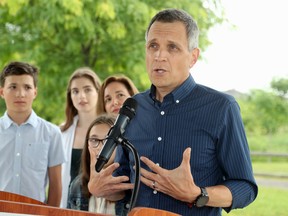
125,143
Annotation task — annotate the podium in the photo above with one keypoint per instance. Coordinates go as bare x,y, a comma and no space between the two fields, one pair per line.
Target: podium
14,203
142,211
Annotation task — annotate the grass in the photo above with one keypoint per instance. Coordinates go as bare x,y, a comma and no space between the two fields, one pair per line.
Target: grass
269,202
277,167
269,143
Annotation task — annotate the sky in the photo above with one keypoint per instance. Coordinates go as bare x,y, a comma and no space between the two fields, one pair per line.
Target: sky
250,54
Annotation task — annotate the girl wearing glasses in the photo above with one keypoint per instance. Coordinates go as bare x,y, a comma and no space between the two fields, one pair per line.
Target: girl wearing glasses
79,197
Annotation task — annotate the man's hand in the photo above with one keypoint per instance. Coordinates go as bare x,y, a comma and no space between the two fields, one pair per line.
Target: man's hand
175,183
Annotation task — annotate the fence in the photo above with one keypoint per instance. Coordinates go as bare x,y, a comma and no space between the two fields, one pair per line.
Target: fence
269,157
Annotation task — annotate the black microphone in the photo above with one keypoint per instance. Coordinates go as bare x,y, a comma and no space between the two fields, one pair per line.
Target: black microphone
114,136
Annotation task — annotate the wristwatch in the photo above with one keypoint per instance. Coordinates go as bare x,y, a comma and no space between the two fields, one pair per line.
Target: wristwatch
202,199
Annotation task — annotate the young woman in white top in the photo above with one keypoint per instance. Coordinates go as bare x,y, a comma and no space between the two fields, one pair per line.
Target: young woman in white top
81,100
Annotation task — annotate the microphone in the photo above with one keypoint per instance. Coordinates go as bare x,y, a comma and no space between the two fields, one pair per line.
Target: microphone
114,136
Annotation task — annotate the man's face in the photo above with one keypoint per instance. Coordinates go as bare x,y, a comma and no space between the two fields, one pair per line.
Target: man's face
18,92
168,59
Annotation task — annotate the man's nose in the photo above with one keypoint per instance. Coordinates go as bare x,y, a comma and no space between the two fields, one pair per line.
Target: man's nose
161,55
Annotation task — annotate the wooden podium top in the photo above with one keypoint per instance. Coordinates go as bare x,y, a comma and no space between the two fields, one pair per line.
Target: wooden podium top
18,198
14,203
141,211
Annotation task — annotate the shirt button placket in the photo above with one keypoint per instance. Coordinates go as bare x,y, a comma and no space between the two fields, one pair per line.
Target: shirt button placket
159,139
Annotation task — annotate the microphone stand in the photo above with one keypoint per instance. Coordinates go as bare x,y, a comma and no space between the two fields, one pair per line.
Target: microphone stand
134,195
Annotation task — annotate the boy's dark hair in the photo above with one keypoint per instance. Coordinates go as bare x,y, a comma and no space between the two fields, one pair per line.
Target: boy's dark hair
19,68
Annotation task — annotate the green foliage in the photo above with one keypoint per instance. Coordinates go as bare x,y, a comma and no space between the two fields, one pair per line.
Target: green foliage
264,112
277,142
270,200
280,86
59,36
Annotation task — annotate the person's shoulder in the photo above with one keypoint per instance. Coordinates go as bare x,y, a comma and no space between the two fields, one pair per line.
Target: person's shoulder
70,129
47,124
1,122
215,93
75,186
4,118
143,98
141,95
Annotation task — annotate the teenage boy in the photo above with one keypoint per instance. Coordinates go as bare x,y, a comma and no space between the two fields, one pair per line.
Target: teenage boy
31,149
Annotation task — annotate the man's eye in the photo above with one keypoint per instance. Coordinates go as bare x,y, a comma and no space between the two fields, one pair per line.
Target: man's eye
173,47
152,46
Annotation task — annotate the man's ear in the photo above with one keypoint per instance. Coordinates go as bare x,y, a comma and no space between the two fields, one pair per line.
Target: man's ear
194,56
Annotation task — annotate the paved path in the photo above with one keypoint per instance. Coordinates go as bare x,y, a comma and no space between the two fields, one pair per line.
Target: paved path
278,183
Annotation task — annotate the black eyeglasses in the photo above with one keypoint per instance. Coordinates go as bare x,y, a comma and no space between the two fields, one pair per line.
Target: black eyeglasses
95,142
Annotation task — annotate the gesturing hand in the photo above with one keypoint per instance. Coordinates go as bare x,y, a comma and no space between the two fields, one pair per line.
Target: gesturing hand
104,184
175,183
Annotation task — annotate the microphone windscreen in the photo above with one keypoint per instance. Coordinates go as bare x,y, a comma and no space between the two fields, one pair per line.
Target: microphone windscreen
129,108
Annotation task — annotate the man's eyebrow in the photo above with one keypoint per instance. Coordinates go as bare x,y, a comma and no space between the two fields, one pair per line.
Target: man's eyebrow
152,40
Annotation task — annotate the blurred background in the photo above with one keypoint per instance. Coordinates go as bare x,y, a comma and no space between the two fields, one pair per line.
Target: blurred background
243,52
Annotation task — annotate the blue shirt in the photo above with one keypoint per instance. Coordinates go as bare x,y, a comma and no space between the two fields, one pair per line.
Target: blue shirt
26,153
193,116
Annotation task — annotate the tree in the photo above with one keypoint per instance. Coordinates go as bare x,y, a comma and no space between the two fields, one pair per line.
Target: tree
280,85
264,112
107,35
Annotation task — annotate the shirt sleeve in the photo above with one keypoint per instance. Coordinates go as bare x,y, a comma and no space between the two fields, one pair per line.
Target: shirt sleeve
234,158
56,150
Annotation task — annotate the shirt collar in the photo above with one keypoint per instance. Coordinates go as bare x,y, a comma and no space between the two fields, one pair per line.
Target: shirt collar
179,93
32,120
75,120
